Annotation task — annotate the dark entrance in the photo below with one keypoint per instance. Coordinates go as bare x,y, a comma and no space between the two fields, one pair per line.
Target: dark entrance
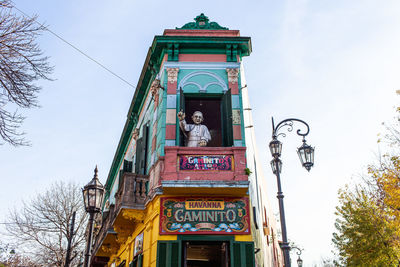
206,254
211,109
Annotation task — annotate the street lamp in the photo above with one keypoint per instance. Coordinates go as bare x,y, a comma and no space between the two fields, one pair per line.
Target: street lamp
299,260
306,154
92,197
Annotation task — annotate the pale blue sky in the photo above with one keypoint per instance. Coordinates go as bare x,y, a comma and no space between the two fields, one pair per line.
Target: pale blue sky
333,64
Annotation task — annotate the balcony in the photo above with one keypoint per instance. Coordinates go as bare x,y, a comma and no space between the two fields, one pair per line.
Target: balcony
132,191
129,199
222,168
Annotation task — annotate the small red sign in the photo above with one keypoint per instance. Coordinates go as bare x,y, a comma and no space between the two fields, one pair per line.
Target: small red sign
205,163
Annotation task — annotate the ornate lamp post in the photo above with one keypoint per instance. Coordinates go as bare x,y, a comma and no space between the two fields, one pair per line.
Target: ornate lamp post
92,197
306,154
299,260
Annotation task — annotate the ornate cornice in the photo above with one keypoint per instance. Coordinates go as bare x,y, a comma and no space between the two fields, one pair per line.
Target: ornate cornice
109,249
122,233
133,215
172,75
233,75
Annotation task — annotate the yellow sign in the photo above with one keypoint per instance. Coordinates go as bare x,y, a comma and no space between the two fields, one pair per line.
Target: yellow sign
204,205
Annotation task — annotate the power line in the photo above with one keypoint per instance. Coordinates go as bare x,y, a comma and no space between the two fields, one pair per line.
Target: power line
74,47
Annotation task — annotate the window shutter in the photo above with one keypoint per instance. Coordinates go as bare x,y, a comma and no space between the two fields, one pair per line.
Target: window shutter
168,254
249,251
127,167
140,261
141,151
226,110
181,140
139,155
243,254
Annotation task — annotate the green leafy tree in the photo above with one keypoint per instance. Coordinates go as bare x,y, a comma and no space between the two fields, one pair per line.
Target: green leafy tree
365,234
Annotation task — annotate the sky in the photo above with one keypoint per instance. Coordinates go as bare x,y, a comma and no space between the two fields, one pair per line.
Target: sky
332,64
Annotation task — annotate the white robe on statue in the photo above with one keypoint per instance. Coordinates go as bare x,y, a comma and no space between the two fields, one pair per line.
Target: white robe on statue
196,133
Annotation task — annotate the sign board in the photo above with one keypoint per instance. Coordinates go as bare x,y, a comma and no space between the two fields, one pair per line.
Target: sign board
204,215
138,244
206,162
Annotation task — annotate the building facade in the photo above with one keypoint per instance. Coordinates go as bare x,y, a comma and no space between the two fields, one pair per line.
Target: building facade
182,192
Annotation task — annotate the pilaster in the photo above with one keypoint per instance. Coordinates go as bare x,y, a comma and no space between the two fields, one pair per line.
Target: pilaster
170,128
233,77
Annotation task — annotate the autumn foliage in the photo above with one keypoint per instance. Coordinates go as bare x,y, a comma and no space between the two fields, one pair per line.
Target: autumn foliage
368,214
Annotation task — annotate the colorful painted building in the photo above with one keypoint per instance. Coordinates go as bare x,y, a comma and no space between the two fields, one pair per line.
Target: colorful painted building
168,204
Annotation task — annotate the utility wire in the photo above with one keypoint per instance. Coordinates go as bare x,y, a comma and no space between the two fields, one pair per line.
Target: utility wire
74,47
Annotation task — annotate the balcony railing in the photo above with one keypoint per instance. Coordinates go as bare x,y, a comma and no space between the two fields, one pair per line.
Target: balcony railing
131,194
235,173
132,191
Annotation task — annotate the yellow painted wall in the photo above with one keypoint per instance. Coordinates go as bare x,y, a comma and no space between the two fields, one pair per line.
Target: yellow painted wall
150,228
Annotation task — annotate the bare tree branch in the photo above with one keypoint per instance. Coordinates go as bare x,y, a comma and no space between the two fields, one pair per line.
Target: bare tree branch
42,226
21,64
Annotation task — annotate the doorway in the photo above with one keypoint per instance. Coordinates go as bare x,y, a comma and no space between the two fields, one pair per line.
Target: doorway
206,254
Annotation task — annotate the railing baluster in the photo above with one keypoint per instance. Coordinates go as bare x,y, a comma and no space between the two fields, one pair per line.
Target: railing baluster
143,189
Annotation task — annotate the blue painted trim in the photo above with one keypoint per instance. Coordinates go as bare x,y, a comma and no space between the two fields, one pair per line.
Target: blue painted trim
185,81
235,102
237,143
241,106
169,142
200,65
171,101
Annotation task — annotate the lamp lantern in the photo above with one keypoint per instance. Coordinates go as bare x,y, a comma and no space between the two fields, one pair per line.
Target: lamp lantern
93,194
276,164
275,146
306,155
299,262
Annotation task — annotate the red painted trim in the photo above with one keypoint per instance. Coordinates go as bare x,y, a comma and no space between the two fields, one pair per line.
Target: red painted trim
202,57
153,143
156,99
237,132
234,88
171,88
170,131
219,33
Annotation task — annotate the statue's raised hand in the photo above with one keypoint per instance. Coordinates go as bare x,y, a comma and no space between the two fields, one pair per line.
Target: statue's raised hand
181,115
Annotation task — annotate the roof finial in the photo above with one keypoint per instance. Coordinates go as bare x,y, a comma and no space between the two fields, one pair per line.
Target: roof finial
202,23
95,172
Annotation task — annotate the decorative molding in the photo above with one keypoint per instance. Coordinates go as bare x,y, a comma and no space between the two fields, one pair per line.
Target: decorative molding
202,23
133,215
233,75
135,134
236,119
155,85
206,184
109,249
172,74
219,81
201,65
122,234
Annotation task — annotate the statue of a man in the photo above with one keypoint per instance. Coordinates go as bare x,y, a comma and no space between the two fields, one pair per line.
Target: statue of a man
197,133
